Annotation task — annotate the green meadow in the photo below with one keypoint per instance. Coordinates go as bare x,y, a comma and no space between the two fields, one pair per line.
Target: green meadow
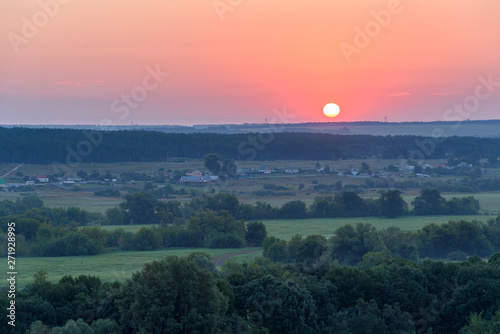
109,267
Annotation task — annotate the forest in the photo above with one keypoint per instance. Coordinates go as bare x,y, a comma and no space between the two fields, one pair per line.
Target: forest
71,147
384,294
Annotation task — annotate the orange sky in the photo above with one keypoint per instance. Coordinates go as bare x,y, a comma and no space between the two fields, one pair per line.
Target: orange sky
238,63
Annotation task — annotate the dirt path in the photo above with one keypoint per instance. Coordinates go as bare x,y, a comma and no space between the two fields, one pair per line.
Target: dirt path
219,260
10,171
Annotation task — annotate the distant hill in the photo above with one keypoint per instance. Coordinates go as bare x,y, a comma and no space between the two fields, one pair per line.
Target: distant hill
484,128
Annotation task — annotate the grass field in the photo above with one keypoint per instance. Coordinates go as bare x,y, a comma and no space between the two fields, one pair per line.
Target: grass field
286,228
108,267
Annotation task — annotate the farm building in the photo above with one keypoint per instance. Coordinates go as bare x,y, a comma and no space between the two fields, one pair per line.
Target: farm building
42,178
266,169
198,180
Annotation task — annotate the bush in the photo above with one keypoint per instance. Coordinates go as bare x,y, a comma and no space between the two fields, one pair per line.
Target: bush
107,193
216,239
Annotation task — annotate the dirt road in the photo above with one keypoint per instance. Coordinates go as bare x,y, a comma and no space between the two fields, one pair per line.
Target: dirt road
219,260
10,171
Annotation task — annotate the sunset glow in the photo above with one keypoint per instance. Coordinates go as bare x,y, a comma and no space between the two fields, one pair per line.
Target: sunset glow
69,62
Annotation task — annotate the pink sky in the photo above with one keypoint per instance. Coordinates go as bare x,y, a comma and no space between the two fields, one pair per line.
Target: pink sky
238,65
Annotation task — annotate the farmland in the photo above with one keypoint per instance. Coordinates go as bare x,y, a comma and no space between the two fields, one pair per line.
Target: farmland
303,186
120,264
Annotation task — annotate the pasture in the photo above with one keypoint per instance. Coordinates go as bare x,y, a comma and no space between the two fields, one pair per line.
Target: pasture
109,267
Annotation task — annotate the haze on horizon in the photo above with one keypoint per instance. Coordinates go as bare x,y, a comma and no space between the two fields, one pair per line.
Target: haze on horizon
222,62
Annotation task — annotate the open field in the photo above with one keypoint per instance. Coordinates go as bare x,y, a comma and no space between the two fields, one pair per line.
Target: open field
108,267
286,228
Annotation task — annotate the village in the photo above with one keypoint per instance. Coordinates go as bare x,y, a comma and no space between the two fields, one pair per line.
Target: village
199,177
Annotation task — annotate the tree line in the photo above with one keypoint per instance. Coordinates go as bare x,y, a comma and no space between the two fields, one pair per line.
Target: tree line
70,146
144,208
213,221
352,244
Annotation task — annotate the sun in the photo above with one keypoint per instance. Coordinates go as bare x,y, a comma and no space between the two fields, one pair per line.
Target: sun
331,110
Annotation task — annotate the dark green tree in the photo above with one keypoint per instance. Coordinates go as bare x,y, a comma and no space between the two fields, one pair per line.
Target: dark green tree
212,162
147,239
365,168
350,243
172,295
392,204
430,202
140,208
256,232
275,249
293,209
277,306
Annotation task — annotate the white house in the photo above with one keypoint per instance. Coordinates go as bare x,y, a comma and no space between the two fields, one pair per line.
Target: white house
42,178
266,169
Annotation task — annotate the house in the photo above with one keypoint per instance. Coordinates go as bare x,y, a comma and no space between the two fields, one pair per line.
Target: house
42,178
2,183
266,169
198,179
189,179
464,165
194,172
210,179
406,168
291,171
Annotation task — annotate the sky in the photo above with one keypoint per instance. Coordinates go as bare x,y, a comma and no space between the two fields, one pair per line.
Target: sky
247,61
